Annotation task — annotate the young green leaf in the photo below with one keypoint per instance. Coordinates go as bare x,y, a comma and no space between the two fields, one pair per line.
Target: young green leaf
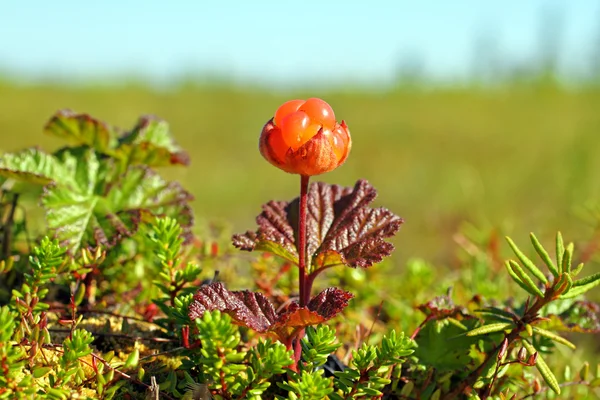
560,250
133,359
543,368
579,290
544,255
527,263
587,280
577,270
568,257
490,328
563,284
553,336
522,279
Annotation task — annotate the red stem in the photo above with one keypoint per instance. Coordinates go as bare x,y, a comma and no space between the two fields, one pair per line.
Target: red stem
303,287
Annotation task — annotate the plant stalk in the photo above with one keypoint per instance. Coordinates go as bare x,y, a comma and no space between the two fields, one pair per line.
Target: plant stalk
304,288
304,283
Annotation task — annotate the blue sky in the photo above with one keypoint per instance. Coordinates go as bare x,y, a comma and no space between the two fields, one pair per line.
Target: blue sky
276,41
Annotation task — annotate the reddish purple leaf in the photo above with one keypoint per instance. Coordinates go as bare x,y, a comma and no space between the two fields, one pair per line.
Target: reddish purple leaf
330,302
251,309
255,311
324,306
442,307
274,229
341,227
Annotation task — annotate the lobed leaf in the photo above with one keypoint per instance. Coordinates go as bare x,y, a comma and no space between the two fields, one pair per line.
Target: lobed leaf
88,212
275,232
445,346
33,166
341,227
150,143
82,129
254,310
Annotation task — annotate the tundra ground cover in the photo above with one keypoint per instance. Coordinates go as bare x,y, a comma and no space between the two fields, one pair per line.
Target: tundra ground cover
502,332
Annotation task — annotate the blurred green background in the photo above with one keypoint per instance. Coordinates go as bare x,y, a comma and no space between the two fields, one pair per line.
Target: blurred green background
491,118
519,158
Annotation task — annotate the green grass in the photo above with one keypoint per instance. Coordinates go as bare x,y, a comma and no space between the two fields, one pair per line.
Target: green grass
519,159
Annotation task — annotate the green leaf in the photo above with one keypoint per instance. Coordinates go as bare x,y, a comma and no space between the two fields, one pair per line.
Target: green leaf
577,270
581,288
544,255
522,279
527,263
83,214
133,359
150,143
560,250
568,257
554,336
32,166
587,280
497,313
444,346
543,368
562,285
39,372
490,328
571,316
82,129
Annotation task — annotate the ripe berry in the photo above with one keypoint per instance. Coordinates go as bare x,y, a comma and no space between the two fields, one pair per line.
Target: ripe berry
304,138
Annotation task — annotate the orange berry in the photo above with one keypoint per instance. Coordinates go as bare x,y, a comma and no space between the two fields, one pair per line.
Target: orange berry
304,138
297,129
319,112
277,144
285,109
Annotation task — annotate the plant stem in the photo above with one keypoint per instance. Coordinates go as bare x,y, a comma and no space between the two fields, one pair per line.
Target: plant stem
304,281
530,315
303,287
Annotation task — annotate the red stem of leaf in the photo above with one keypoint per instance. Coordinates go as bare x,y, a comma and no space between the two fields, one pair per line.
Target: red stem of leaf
304,286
